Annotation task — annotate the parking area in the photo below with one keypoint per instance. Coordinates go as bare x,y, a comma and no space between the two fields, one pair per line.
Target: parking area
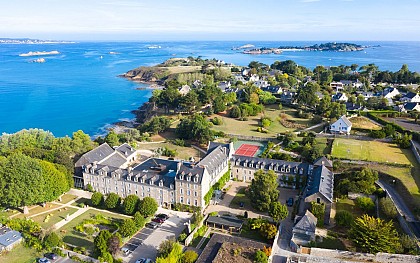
146,242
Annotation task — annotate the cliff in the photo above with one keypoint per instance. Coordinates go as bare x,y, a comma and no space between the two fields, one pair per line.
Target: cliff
147,74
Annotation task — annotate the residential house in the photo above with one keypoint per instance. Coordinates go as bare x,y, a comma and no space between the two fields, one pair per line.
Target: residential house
342,126
390,93
261,83
340,97
246,71
254,78
240,78
319,189
197,84
273,89
366,94
9,238
338,86
184,89
288,97
410,97
223,85
319,94
304,230
120,157
408,106
349,83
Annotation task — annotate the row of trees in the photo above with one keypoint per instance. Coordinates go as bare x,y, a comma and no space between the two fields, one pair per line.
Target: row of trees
170,251
129,206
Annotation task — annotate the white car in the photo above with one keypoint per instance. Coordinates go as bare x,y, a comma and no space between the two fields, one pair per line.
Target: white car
125,251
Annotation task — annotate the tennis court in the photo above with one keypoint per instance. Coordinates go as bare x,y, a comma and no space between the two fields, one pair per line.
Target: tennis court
247,150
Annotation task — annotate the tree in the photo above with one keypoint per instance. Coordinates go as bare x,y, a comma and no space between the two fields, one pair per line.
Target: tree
219,105
306,95
318,210
388,208
189,102
156,125
235,112
148,206
268,230
263,189
128,228
52,240
130,203
106,257
344,218
189,256
365,203
175,255
97,199
81,142
21,181
112,138
114,244
139,220
278,211
55,181
196,127
101,242
112,201
89,187
359,182
373,235
260,257
166,247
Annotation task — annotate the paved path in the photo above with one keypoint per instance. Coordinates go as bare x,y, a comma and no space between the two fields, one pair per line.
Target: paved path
71,217
315,126
80,193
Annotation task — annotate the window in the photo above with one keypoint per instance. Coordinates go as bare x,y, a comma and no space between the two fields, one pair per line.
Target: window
188,192
195,202
148,189
318,200
195,193
188,201
180,191
181,200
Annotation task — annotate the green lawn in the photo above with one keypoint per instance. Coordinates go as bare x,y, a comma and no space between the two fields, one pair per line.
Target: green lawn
348,205
241,197
78,239
67,198
36,209
82,200
321,145
181,152
20,254
330,242
252,234
374,151
56,216
249,127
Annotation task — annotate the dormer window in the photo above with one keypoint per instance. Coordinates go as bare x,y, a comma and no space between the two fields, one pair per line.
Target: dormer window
196,179
181,177
171,186
188,178
151,181
142,180
161,183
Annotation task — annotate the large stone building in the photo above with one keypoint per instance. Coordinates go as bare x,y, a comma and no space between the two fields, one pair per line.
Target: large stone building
167,181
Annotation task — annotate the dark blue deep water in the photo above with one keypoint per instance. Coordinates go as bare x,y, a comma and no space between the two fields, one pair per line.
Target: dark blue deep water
79,88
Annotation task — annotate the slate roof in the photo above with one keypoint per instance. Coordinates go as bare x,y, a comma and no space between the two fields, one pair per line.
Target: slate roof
271,164
307,223
321,181
272,89
8,236
188,169
345,120
114,159
214,159
214,145
323,161
95,155
125,149
410,95
225,221
410,105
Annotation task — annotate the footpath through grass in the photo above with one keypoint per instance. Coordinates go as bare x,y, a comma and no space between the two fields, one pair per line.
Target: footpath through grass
373,151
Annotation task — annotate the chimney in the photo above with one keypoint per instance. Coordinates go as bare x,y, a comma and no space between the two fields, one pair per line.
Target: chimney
178,166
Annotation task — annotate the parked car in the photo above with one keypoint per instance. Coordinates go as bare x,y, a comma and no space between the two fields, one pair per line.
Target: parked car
125,251
51,256
141,260
158,220
148,260
152,225
163,216
290,201
44,260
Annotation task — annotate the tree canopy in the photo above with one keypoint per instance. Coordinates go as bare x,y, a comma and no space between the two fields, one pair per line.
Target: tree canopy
263,189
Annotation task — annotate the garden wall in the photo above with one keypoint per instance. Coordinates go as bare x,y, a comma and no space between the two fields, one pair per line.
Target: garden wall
415,151
190,237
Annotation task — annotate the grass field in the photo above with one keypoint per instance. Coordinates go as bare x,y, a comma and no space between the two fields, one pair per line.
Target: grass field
20,254
364,123
249,127
348,205
373,151
67,198
56,217
38,209
78,239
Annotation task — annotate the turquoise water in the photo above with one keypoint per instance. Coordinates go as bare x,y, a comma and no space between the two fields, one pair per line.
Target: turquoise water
79,88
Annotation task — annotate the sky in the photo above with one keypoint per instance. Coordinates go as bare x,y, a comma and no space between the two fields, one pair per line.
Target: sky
144,20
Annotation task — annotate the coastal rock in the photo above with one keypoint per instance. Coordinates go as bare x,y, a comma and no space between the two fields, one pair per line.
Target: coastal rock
39,53
147,74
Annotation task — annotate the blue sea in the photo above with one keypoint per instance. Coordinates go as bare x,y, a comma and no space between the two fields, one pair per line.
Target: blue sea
79,89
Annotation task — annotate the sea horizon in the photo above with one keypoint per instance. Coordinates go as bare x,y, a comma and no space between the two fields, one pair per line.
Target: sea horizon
80,88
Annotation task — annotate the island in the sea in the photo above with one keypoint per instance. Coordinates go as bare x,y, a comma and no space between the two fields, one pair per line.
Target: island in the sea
32,41
39,53
331,46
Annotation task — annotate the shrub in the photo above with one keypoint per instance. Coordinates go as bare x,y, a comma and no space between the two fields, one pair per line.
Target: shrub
97,199
130,203
365,203
344,218
128,228
268,230
182,237
139,220
52,240
89,187
148,206
112,201
217,121
260,257
189,256
388,208
377,134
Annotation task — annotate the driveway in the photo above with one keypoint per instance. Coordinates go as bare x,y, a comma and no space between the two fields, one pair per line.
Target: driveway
146,242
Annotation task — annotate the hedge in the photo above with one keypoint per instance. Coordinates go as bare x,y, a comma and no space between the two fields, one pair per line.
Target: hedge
217,186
